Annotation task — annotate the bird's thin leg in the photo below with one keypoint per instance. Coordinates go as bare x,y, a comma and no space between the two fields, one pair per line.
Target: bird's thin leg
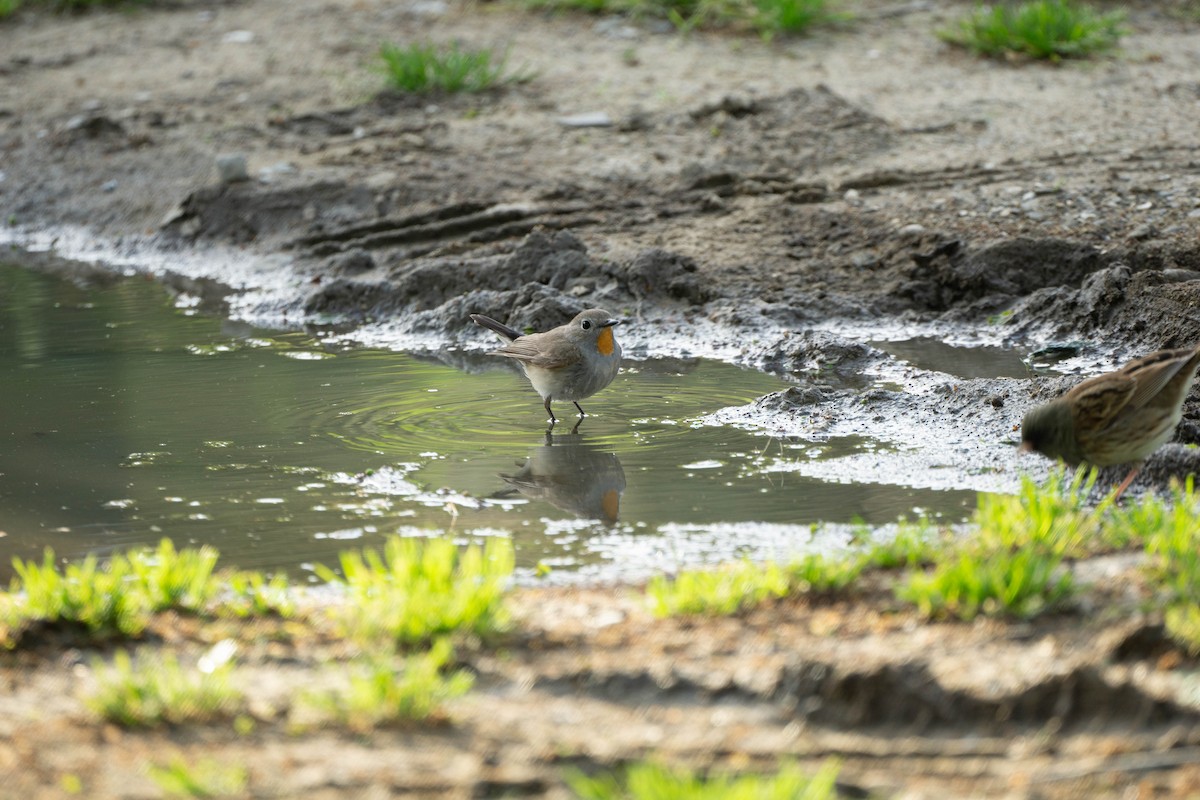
1128,480
580,410
550,412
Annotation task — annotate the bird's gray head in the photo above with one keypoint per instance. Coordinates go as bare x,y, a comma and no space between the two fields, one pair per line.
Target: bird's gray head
594,320
595,325
1049,430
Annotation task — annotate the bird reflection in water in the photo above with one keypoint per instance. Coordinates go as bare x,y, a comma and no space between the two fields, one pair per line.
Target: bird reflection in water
570,474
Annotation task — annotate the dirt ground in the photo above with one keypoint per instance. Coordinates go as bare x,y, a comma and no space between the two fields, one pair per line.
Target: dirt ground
862,177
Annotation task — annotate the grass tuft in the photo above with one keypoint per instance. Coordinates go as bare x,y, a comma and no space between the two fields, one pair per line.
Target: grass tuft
1047,29
647,781
418,590
171,578
377,694
116,597
792,17
252,594
206,778
156,689
915,544
1171,532
425,67
768,17
100,598
1012,566
742,585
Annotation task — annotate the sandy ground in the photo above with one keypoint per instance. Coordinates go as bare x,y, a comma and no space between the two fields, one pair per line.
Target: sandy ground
869,178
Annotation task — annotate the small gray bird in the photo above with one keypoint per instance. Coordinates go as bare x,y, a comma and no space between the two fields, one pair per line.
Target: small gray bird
570,362
1119,417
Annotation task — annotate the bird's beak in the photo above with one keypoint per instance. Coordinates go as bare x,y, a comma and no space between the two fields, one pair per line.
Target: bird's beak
608,323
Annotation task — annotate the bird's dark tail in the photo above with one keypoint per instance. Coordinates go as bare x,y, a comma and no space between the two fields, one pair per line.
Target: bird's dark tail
498,327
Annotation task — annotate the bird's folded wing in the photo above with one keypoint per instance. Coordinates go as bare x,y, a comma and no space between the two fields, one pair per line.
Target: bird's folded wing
537,352
1154,372
1096,403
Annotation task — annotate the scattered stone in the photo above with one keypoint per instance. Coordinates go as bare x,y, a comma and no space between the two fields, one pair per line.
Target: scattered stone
615,28
382,180
238,37
429,8
109,186
1144,231
587,119
231,168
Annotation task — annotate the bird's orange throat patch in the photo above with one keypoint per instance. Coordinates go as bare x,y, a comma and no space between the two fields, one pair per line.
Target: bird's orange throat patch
605,342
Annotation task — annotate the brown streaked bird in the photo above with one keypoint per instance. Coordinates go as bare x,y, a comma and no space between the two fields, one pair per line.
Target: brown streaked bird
1119,417
570,362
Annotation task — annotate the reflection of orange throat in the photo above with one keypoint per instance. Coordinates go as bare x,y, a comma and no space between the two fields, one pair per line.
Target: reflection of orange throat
605,342
610,503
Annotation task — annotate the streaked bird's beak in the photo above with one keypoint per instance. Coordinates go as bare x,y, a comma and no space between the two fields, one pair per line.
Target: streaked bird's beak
608,323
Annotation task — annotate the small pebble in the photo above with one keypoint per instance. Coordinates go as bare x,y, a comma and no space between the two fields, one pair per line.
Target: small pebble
429,8
231,168
587,119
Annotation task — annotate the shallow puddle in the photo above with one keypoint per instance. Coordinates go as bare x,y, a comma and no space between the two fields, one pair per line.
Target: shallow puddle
127,417
979,361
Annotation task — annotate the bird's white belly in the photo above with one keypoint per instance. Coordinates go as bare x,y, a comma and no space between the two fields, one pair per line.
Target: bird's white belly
573,383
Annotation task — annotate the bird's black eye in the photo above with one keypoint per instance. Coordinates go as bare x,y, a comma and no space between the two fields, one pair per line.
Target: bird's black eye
587,324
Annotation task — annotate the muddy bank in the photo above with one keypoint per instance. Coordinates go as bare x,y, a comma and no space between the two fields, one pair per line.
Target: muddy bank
987,202
1093,701
1060,200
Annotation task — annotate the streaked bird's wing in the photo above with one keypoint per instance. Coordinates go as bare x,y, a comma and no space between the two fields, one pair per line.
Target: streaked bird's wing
1154,372
1096,402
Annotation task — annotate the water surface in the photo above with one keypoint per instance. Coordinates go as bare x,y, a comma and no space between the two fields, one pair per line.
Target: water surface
125,416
